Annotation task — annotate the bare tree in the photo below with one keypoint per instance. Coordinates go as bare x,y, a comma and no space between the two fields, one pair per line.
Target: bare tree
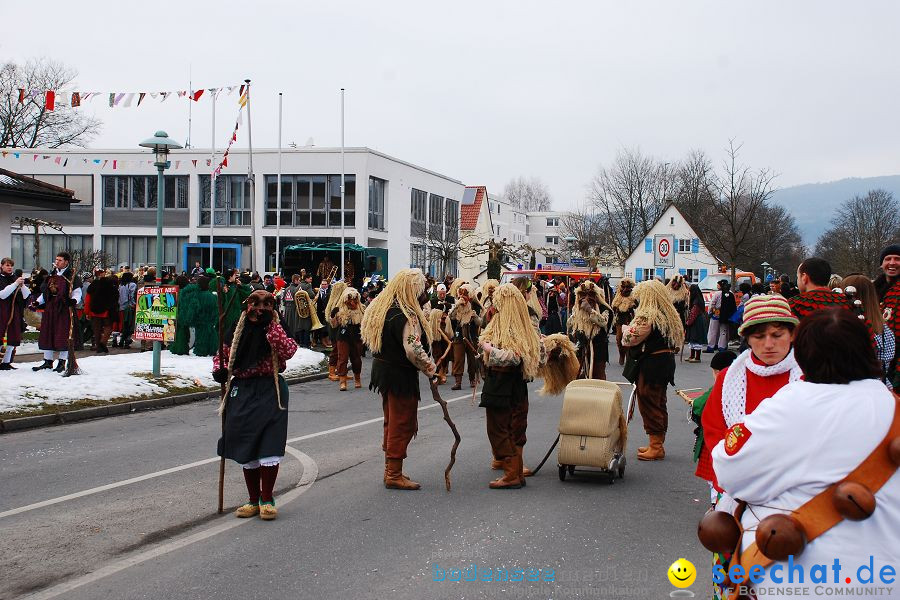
694,179
39,226
585,233
527,194
862,226
739,197
632,194
29,124
88,261
775,239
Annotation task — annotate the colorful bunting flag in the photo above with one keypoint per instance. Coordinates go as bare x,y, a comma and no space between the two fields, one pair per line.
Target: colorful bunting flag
50,100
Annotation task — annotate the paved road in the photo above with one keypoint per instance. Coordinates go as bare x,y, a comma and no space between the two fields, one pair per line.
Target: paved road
340,534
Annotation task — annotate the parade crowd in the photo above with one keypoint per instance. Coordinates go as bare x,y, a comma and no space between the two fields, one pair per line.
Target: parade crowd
812,382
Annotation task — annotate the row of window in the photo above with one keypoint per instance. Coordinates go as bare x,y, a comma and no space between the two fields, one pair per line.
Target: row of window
437,267
130,250
690,275
432,215
682,245
139,192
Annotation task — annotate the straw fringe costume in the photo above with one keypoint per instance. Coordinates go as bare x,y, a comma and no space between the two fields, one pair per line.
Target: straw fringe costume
587,328
440,333
347,316
513,354
394,327
652,339
623,310
255,403
336,291
466,324
680,297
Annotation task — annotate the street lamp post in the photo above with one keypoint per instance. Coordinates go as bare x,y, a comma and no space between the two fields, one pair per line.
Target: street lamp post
160,143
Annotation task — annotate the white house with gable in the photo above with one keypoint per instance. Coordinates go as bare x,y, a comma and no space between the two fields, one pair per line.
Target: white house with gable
693,259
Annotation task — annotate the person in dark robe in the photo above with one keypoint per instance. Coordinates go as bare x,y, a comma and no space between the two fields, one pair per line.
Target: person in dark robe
101,305
255,402
60,294
13,293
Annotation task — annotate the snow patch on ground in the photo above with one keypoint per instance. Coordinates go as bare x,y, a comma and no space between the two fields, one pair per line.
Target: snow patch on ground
27,348
105,377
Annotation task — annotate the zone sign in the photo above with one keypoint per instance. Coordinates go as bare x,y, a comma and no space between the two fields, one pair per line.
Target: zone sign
664,251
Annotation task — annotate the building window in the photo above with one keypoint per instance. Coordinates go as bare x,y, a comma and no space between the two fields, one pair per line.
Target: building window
436,217
310,200
22,250
550,260
232,207
418,208
552,239
451,219
82,185
139,192
552,221
141,250
684,246
418,257
692,275
671,220
376,203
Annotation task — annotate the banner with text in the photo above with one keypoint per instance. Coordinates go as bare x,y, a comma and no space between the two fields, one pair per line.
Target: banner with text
155,313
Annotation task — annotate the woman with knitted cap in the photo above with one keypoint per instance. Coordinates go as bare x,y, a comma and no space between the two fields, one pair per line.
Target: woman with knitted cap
512,353
255,402
393,328
653,337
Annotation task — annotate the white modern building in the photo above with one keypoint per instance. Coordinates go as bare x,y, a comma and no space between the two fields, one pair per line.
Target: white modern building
390,205
693,259
544,231
508,222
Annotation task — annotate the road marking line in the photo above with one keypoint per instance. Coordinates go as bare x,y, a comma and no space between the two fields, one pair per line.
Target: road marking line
169,471
225,523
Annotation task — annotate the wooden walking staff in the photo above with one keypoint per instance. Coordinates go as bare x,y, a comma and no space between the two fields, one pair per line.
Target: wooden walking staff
456,437
221,506
71,365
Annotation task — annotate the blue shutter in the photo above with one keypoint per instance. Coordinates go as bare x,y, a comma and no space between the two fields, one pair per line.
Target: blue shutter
695,245
648,246
682,272
675,244
638,274
703,273
661,274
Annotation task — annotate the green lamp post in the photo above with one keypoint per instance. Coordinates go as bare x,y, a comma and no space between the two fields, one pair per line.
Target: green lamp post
160,143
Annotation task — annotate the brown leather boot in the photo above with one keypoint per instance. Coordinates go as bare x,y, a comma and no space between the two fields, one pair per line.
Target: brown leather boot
656,450
643,449
458,384
393,476
511,479
496,465
332,373
343,379
526,472
357,383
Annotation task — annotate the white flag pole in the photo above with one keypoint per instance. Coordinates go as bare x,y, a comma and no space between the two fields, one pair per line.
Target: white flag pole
343,275
278,201
212,185
252,186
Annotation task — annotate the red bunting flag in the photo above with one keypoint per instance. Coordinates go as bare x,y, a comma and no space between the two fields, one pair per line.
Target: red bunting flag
76,99
21,95
225,162
197,95
50,100
194,161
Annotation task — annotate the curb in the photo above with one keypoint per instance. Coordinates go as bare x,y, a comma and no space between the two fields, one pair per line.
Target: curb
110,410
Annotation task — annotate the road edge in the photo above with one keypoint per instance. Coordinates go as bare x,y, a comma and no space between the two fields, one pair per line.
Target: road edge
111,410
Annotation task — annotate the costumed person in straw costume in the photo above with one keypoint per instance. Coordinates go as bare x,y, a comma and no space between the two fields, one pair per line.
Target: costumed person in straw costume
653,337
393,328
13,293
337,290
680,295
347,317
441,335
513,355
587,328
60,293
466,323
623,305
486,298
256,399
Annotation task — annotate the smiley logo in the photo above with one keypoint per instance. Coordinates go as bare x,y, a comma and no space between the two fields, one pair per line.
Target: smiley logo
682,573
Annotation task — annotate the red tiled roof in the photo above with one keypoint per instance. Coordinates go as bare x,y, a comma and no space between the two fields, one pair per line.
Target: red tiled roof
468,218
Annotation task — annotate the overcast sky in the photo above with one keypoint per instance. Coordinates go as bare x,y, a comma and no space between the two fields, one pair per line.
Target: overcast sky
486,91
